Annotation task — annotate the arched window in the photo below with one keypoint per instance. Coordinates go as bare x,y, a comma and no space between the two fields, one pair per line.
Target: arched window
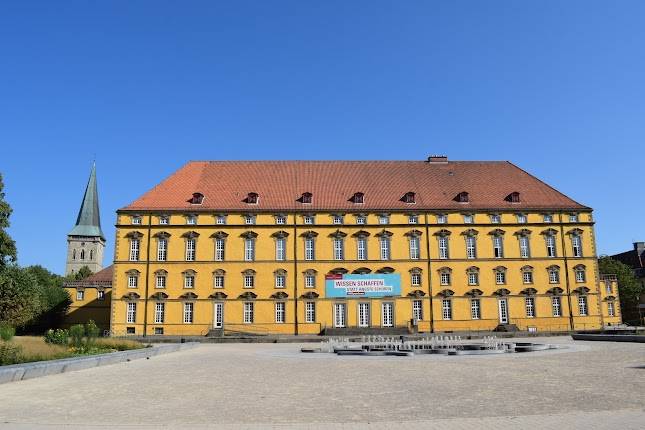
82,254
91,254
73,254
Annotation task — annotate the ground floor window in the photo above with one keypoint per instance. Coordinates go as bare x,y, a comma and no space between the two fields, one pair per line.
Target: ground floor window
610,309
387,309
188,312
130,330
417,310
556,306
160,310
280,312
446,309
131,313
475,309
310,312
529,303
363,314
582,305
248,312
158,330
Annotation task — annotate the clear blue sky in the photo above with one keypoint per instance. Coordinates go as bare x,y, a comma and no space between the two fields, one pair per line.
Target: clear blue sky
557,87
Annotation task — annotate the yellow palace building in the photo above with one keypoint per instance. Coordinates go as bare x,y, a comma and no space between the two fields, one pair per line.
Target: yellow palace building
308,247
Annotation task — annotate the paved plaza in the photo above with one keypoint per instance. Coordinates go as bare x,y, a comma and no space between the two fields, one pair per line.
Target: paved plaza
587,385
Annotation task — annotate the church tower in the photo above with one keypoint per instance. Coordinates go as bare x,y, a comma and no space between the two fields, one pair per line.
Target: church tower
86,242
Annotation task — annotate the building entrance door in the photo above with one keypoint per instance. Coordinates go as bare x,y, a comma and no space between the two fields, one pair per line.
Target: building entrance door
387,314
339,315
363,314
218,315
503,311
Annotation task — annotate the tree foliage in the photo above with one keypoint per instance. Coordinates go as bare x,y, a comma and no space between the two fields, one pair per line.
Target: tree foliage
8,252
20,300
83,272
629,288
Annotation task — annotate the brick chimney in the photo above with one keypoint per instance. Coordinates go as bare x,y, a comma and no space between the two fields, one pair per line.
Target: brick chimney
437,159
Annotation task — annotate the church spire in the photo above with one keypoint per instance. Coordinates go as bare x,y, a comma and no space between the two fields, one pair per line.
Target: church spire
88,222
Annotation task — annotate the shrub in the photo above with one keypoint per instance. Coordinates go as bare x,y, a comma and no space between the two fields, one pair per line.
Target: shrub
92,331
9,353
76,333
6,331
57,337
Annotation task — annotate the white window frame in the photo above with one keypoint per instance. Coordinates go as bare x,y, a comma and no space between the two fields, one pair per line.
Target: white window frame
469,219
280,219
136,220
415,247
191,219
160,281
131,313
611,309
495,219
338,219
527,277
522,218
581,275
310,312
249,249
280,249
361,219
529,305
249,280
415,279
189,312
310,280
583,306
160,312
525,246
384,242
248,314
551,246
280,280
417,310
442,219
218,281
471,247
473,277
361,248
220,219
554,276
80,295
100,295
135,247
191,249
573,218
413,219
339,248
249,219
500,277
576,245
383,219
189,281
556,306
446,309
310,248
162,249
475,309
133,281
498,246
444,250
548,218
309,219
220,249
280,312
163,220
444,278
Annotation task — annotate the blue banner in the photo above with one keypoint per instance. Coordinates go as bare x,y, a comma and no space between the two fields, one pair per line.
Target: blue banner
368,285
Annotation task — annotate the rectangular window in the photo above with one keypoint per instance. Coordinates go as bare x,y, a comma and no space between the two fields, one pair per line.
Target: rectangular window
387,314
556,306
280,316
248,312
495,219
280,281
608,287
219,249
131,314
446,309
220,219
361,219
573,218
190,249
80,295
363,314
525,250
550,246
189,281
158,330
473,278
310,312
249,249
581,276
361,248
383,219
471,247
417,310
133,281
468,219
576,244
443,247
309,249
249,219
413,219
339,251
280,219
475,309
498,246
136,220
527,277
338,219
442,219
160,281
191,219
308,219
310,280
218,281
385,247
582,305
415,252
280,249
163,220
134,250
521,219
100,295
160,310
188,313
554,277
162,249
529,303
415,279
548,218
500,277
445,278
249,281
610,309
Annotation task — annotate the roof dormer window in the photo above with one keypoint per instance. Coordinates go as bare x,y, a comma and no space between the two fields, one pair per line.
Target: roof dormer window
358,198
514,197
306,198
462,197
409,197
196,199
252,198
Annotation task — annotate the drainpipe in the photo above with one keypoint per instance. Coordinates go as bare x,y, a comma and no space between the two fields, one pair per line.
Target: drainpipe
430,313
295,275
566,271
145,299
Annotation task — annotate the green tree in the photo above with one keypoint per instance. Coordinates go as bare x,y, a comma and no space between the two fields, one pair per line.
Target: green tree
629,288
19,296
8,252
54,300
83,272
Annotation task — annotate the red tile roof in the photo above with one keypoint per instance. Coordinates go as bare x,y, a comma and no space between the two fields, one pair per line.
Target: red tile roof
101,278
226,184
